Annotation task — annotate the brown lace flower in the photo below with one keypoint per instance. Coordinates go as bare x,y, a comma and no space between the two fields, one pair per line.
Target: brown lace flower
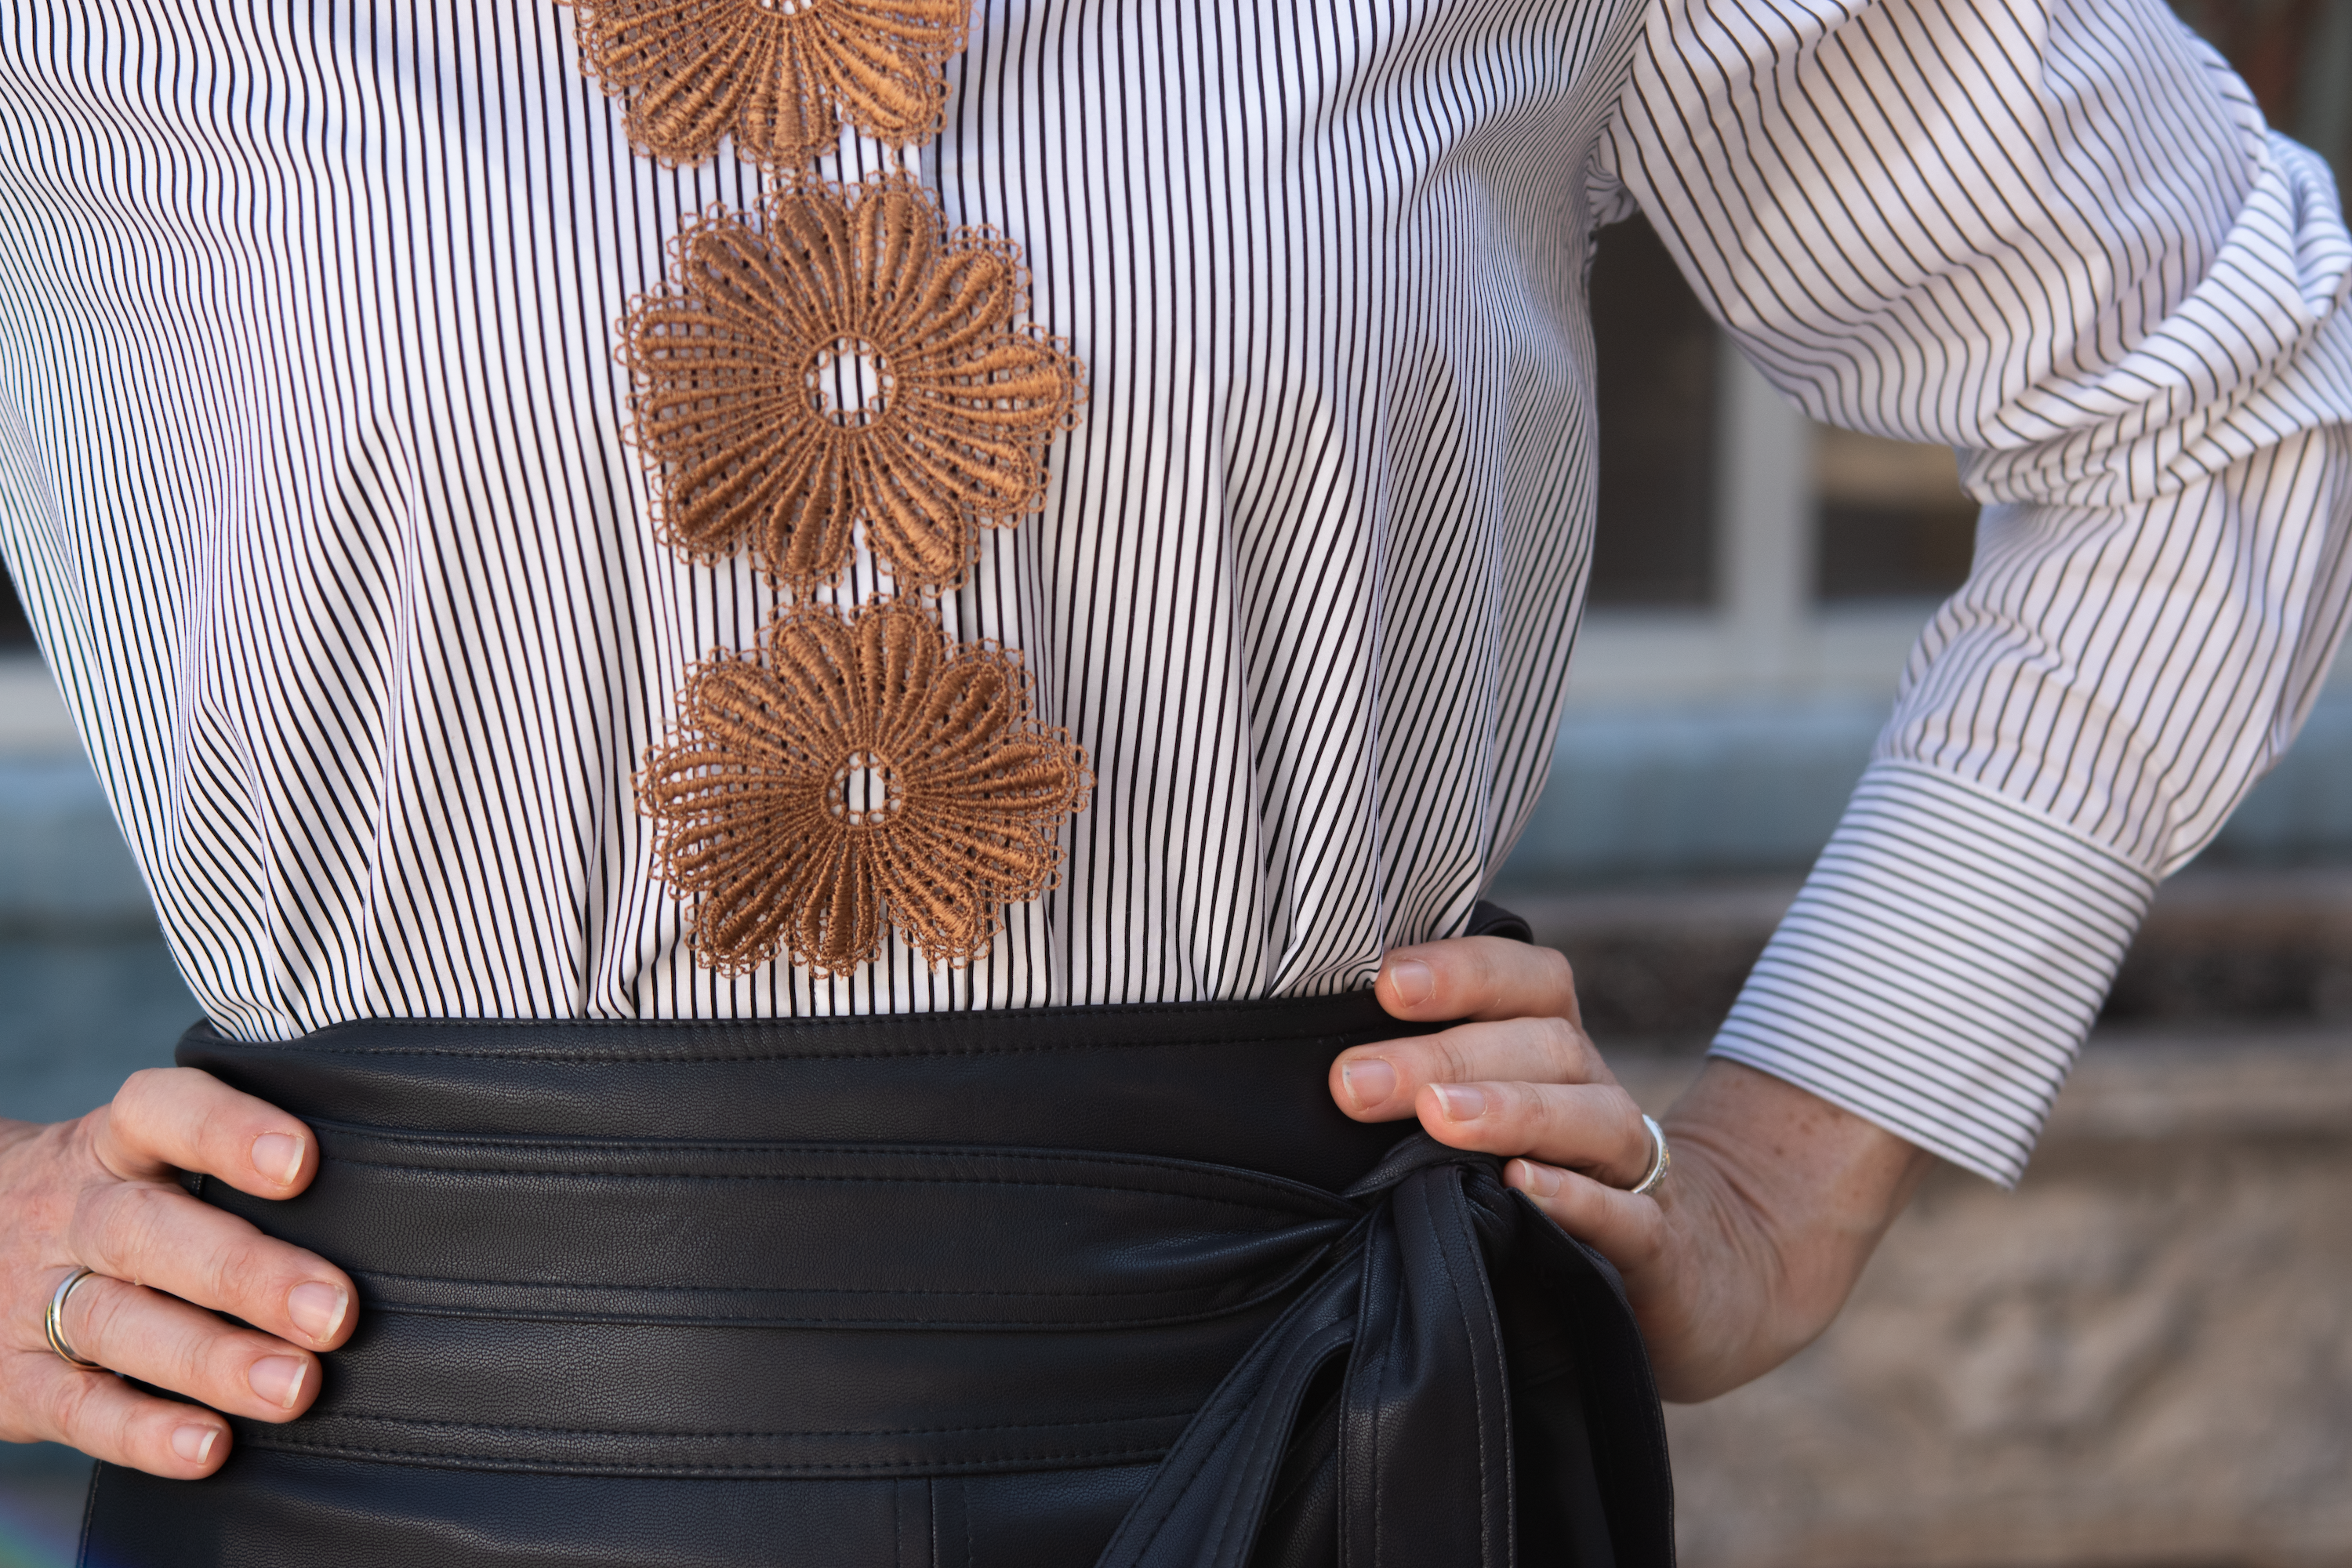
844,360
779,75
857,773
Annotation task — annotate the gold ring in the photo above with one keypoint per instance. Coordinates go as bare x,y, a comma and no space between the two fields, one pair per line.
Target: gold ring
1659,1160
57,1322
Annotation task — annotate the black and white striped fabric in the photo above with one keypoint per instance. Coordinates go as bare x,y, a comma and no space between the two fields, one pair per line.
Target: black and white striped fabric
311,470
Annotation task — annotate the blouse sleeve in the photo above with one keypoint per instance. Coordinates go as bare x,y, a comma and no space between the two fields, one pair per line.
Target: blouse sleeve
2058,237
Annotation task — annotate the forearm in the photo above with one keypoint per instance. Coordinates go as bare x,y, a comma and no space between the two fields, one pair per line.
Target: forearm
1777,1199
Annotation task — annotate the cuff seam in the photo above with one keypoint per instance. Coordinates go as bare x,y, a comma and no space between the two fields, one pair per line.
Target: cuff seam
1927,774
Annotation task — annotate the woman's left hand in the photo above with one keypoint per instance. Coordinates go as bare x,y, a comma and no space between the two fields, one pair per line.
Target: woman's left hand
1517,1078
1775,1200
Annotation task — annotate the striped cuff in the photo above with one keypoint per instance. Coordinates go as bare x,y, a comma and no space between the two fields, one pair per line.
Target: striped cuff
1941,967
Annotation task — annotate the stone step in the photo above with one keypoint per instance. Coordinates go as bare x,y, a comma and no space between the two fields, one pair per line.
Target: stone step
2137,1358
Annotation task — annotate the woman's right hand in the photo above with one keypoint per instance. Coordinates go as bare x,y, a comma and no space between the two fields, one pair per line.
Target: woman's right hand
102,1193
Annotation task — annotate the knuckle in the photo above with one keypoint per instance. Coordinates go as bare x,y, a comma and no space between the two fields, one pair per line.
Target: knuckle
241,1271
1625,1116
217,1360
185,1362
88,1131
138,1090
1645,1245
95,1318
1561,1044
1509,1122
1557,977
1543,1116
67,1407
93,1226
124,1225
1452,1057
141,1098
1487,978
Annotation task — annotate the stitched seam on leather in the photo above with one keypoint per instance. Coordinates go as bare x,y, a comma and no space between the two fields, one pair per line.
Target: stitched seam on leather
1276,1501
764,1289
842,1322
1207,1452
357,1131
867,1467
1467,1307
807,1181
1190,1170
812,1432
1108,1015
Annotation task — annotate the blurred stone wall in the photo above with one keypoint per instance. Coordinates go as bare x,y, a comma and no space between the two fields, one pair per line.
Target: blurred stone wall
2140,1359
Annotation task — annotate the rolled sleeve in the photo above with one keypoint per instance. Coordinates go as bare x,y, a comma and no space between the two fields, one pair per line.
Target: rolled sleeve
2059,238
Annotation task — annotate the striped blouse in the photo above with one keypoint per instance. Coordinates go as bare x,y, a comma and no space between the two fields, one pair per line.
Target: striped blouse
314,475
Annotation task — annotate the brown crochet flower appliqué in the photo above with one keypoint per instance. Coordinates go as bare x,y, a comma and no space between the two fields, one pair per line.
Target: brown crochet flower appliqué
781,75
843,359
857,773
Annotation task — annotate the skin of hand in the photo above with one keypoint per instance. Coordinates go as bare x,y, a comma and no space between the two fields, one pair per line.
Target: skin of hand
103,1193
1740,1257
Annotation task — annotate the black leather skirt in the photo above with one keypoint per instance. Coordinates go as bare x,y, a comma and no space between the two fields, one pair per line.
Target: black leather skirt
1025,1289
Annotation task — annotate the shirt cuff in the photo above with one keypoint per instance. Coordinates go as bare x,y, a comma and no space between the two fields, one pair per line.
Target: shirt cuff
1941,967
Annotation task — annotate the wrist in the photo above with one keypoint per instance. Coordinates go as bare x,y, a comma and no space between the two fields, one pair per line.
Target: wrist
1778,1200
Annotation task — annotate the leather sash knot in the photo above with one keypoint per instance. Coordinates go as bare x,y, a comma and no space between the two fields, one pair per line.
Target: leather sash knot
1416,1463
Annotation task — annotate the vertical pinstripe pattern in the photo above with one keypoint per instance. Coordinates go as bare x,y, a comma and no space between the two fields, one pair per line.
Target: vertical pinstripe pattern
309,468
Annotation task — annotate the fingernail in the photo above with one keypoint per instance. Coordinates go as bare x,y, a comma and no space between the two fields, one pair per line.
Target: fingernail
1541,1181
195,1444
318,1309
1461,1104
1411,980
278,1379
278,1156
1368,1082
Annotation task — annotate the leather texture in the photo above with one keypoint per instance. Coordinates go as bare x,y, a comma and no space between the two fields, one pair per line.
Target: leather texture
1494,920
1040,1289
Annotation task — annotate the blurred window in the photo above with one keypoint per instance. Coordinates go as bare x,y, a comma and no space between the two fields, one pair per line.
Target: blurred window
1893,521
1655,544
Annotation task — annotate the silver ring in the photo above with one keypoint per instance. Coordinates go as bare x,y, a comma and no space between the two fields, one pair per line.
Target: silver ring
56,1323
1659,1160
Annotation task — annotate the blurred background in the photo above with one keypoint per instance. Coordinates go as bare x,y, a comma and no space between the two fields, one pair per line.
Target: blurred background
2142,1359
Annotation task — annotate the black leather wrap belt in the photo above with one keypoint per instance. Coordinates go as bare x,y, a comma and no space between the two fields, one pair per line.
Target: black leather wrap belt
1021,1289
